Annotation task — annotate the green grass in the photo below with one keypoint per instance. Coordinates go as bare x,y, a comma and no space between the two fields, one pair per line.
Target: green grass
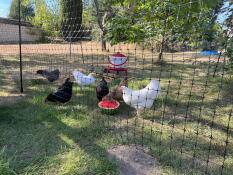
39,138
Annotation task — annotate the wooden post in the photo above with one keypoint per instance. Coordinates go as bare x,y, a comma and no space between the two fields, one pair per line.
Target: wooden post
20,48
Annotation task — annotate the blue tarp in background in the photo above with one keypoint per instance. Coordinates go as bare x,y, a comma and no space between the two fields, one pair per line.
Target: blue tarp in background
209,52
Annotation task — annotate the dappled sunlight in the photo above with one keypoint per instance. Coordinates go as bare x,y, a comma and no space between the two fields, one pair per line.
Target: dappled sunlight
78,131
187,128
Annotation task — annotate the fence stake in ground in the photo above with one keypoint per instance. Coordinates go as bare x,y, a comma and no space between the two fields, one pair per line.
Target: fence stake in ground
20,48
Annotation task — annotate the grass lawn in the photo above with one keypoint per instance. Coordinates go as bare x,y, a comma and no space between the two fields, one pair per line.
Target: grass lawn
186,129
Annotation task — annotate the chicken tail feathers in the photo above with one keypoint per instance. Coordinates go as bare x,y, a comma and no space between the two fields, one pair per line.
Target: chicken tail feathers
50,98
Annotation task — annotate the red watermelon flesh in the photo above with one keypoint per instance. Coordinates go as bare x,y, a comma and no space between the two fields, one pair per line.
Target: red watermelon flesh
109,107
109,104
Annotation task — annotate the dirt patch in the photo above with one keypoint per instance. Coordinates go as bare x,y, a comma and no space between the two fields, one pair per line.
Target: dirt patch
134,160
10,98
211,59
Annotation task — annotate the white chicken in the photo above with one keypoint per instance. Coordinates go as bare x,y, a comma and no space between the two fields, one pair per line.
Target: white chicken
82,79
141,99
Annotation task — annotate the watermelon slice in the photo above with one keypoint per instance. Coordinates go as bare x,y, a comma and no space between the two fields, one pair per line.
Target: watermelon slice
109,107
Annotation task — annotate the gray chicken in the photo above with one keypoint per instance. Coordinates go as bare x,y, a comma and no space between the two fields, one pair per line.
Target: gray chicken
51,76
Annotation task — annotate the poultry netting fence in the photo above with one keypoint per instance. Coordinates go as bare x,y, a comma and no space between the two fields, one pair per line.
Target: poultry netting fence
188,124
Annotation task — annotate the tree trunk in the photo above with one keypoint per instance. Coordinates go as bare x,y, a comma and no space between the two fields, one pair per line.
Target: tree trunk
160,57
103,41
101,21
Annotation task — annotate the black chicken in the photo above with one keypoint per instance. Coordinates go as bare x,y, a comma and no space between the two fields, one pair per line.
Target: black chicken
51,76
102,89
63,94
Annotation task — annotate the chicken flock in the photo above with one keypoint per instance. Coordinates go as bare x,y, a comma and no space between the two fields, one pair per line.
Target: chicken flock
138,99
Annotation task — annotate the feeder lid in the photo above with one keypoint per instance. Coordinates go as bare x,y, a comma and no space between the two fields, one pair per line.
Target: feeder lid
118,54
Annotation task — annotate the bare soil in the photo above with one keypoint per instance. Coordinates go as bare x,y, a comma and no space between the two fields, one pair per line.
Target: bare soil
10,98
134,160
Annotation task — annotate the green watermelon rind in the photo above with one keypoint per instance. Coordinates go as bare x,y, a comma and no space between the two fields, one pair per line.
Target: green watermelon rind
109,110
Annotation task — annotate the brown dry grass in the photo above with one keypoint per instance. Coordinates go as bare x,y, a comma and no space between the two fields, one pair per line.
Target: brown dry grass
90,48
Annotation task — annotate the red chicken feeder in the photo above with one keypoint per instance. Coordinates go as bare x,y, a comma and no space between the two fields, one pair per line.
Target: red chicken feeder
117,63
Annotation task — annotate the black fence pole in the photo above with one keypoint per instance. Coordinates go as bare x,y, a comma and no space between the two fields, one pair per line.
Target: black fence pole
20,48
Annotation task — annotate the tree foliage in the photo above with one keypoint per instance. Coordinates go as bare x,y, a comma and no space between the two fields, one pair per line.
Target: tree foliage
162,22
229,20
103,13
47,17
27,11
229,38
154,17
71,14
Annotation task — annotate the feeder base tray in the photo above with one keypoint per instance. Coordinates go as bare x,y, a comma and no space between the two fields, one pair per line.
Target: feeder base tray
117,70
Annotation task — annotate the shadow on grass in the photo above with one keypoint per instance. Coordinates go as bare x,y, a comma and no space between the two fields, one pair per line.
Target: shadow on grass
43,123
34,132
38,127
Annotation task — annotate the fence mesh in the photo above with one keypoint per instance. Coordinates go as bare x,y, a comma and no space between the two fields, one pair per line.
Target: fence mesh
189,125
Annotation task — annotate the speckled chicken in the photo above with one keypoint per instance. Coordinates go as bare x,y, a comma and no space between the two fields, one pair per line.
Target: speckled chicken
116,93
51,76
102,89
63,94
